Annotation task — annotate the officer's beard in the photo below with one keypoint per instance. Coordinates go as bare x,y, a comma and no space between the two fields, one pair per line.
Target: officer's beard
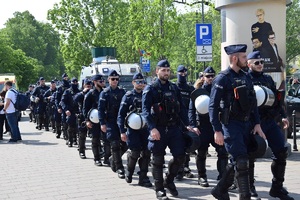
164,77
241,65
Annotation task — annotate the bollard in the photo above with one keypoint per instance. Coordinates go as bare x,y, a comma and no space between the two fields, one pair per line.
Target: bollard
294,131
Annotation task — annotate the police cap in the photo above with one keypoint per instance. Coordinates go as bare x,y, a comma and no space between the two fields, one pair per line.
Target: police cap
113,73
137,76
163,63
74,80
236,48
87,81
96,77
254,55
41,79
181,68
209,71
64,75
52,81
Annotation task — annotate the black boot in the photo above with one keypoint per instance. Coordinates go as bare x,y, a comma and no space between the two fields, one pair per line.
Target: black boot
143,164
157,173
95,149
278,170
107,153
131,162
251,178
117,159
187,172
222,161
58,129
173,167
201,166
242,177
220,191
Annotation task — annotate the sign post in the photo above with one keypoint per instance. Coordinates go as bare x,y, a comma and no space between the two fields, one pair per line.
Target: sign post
203,42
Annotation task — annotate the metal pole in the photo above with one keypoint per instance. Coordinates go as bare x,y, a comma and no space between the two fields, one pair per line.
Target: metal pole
202,5
294,131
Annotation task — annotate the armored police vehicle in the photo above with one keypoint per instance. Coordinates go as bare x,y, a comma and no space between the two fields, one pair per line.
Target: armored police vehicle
103,61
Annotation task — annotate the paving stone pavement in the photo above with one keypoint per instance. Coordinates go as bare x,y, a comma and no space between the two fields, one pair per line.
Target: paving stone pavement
43,167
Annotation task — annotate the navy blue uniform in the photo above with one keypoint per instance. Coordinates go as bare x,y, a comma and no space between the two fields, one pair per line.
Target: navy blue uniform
166,116
90,102
39,92
202,122
61,117
50,108
68,104
137,140
269,116
108,107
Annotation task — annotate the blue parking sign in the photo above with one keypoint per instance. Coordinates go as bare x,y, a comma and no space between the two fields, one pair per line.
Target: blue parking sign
203,34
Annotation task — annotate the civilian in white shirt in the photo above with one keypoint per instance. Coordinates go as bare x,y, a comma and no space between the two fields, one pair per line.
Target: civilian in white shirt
11,113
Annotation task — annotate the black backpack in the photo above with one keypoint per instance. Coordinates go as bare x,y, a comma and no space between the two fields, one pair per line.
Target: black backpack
22,101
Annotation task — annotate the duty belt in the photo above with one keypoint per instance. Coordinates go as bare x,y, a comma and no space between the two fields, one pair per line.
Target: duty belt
240,118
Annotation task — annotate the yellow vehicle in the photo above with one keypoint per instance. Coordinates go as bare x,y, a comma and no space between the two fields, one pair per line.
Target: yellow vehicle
8,77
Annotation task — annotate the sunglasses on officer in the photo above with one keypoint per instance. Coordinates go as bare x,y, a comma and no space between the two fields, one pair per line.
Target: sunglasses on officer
259,62
210,76
114,79
140,82
101,81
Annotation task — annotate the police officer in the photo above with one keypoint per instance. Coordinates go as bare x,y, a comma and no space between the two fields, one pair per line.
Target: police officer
202,123
60,116
164,125
70,108
274,135
28,93
38,94
91,102
233,93
137,139
50,104
185,91
79,98
108,106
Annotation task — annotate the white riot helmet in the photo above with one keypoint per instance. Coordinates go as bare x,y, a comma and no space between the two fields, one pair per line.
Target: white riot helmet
27,111
200,98
264,96
32,98
135,121
93,116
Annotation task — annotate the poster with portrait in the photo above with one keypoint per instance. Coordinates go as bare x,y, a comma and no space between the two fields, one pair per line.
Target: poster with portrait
264,40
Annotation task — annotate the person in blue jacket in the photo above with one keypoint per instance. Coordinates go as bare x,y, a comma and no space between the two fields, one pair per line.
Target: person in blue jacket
233,94
108,108
164,112
137,138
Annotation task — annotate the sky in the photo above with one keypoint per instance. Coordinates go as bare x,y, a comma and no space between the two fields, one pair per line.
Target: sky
38,8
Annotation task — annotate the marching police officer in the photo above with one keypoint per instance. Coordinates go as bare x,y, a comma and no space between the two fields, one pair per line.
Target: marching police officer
79,98
137,137
108,106
60,116
164,110
274,135
70,108
50,104
185,91
91,102
38,94
233,93
201,121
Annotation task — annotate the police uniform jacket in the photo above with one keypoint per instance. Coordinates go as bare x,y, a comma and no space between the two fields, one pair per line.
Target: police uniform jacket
60,90
223,90
260,78
109,104
90,102
79,97
39,92
185,91
152,95
67,101
131,102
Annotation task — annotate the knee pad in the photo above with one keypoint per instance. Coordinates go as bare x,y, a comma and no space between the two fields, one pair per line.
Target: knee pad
135,154
242,163
146,154
281,155
115,145
158,160
179,160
